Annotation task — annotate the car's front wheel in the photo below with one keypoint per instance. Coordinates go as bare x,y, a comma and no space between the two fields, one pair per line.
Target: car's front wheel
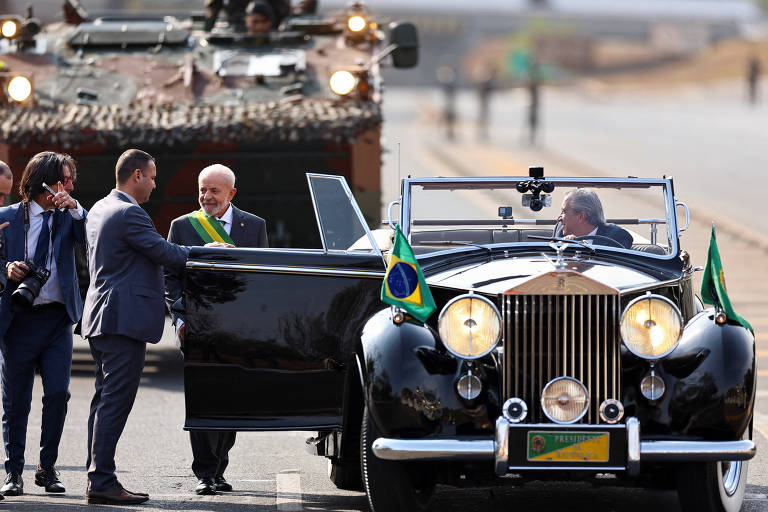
712,486
392,486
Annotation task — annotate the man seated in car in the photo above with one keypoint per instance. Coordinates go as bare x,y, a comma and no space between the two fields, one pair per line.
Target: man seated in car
582,216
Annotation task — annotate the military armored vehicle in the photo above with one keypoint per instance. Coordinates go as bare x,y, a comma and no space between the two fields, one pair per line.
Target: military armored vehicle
197,90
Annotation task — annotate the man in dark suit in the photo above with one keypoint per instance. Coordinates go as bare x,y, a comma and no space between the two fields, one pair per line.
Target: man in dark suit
582,215
36,327
216,184
123,311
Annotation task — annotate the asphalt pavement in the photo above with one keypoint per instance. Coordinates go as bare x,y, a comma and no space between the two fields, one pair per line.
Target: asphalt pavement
584,132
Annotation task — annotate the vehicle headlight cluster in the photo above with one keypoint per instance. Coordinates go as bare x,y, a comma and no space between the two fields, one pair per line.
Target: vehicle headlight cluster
19,88
469,326
9,28
356,23
651,326
343,82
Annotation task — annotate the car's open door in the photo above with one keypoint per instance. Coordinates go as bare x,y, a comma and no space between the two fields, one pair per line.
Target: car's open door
271,333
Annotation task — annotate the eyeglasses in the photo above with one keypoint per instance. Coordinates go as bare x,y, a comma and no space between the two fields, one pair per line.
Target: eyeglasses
67,180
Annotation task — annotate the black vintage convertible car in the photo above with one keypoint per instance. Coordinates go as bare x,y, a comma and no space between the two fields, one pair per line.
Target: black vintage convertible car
549,356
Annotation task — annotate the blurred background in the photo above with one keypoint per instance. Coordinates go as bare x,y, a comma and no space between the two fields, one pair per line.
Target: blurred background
591,87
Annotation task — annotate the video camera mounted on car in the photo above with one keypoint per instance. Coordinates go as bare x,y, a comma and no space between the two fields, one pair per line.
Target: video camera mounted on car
536,190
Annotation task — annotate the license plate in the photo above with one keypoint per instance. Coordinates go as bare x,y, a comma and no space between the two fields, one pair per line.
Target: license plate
568,446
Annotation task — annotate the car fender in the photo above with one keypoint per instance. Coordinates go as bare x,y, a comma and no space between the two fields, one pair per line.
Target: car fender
409,382
710,383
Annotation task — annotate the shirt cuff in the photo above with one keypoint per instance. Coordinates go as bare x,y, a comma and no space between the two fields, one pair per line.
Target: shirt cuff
77,213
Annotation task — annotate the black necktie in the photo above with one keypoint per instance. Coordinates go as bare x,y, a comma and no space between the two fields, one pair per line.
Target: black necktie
43,241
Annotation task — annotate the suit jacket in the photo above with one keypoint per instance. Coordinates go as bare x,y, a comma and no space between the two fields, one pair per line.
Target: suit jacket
125,295
614,232
66,231
248,230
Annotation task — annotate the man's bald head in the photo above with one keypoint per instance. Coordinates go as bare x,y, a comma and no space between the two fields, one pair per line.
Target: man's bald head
6,181
216,187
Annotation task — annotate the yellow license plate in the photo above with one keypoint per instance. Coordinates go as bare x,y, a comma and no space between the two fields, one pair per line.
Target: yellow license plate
568,446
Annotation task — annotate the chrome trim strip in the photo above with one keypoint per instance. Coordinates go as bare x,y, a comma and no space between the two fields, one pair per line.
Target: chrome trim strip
501,446
633,446
239,267
590,419
433,449
684,451
598,469
314,207
646,287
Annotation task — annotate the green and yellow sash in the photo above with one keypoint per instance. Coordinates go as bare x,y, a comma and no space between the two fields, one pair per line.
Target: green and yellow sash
209,228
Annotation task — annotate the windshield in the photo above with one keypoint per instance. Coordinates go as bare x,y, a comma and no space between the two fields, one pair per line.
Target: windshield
623,214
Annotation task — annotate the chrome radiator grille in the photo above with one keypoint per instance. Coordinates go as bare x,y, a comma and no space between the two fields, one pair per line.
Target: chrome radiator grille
548,336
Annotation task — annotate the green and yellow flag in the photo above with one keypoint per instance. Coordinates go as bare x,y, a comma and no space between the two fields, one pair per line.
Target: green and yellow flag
713,289
209,228
404,285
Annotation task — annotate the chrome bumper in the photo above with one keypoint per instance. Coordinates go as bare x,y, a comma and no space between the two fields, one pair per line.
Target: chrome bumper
497,450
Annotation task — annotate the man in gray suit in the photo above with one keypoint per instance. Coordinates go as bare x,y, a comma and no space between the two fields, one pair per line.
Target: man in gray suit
123,311
216,184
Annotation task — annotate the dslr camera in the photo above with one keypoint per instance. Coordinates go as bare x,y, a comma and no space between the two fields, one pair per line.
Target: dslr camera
25,294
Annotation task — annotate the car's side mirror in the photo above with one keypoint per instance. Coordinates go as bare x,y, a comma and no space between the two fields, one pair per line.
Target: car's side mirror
405,39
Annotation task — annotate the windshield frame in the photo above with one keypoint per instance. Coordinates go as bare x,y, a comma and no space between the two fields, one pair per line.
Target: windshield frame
511,181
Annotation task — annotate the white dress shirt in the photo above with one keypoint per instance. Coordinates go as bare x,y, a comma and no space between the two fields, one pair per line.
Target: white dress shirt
226,219
51,291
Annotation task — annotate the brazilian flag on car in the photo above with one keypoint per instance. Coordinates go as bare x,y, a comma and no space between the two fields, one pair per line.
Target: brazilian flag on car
404,285
713,289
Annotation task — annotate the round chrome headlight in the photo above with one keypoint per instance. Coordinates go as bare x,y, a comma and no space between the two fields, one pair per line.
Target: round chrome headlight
564,400
651,326
356,23
343,82
470,326
19,88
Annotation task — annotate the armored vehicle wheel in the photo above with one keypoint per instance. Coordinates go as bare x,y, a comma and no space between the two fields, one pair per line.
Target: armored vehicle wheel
345,476
712,486
393,486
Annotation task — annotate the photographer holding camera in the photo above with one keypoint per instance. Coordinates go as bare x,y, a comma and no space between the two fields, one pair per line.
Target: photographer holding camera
38,307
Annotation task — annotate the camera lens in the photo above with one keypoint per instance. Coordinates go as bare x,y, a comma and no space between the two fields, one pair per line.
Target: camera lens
536,205
522,186
22,297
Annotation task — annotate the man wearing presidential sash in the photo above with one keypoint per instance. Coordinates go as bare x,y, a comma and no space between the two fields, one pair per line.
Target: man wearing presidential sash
217,220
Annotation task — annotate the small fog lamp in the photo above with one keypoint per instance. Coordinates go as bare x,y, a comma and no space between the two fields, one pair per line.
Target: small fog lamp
469,387
652,386
19,88
564,400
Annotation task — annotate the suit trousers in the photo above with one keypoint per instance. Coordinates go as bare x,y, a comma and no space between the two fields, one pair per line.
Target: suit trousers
38,339
119,362
210,452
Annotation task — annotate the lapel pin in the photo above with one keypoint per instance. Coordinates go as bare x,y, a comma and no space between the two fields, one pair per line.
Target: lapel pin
242,225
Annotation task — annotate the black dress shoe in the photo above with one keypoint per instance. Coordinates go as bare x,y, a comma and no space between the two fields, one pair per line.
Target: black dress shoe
13,486
206,487
222,485
48,478
117,495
